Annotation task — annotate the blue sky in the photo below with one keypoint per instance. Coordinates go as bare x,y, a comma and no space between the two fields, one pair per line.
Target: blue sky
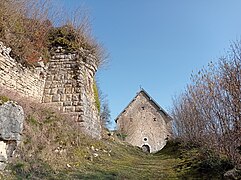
158,43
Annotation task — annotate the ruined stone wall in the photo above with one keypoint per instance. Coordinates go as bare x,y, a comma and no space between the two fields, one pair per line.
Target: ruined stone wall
24,80
69,86
143,124
65,82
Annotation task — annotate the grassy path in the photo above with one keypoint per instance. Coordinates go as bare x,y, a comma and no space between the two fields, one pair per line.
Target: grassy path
129,163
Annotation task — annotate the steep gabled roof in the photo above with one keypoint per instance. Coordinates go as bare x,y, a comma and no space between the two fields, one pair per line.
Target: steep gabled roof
150,99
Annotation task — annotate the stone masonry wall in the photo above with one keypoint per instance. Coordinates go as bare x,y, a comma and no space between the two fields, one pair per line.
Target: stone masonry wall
66,82
69,86
144,125
26,81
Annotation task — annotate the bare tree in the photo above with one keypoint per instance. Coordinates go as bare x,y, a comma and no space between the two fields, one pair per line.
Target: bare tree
209,112
105,114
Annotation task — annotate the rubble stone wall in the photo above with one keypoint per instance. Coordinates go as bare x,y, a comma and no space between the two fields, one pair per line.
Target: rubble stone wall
26,81
66,82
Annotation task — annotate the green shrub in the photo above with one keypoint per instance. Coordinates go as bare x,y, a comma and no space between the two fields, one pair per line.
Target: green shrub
65,36
211,162
25,27
121,136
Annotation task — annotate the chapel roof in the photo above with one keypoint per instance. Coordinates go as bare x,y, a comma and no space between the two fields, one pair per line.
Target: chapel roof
157,106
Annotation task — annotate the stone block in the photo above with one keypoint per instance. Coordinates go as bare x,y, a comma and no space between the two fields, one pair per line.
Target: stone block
49,78
68,97
68,90
68,82
67,103
68,76
75,117
67,65
47,99
3,151
48,84
75,97
60,90
79,109
62,97
11,121
56,98
54,91
2,158
69,109
2,166
55,83
75,103
57,77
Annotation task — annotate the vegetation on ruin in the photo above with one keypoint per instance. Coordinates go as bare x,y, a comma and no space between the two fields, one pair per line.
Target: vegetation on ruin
96,96
27,26
3,99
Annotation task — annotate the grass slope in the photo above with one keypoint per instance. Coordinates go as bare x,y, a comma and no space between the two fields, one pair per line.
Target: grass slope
54,148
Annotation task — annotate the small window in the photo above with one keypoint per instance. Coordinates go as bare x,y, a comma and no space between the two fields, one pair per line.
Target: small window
145,139
143,108
154,119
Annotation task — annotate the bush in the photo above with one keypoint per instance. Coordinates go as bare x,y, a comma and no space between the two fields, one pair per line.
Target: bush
25,26
65,37
211,162
208,112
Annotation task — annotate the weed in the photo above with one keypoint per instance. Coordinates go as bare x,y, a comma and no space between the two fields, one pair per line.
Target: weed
25,26
96,96
3,99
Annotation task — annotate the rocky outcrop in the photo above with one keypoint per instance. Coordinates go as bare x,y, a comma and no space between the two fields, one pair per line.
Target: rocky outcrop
11,126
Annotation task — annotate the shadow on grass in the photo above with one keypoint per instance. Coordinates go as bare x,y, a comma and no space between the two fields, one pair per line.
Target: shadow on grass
40,170
195,162
96,175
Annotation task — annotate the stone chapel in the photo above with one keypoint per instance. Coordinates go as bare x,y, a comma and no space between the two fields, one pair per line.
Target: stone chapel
144,123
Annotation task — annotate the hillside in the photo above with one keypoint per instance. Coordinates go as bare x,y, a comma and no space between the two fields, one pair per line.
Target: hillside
53,148
47,78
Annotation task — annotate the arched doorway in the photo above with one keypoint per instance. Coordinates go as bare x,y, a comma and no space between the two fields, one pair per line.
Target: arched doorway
145,148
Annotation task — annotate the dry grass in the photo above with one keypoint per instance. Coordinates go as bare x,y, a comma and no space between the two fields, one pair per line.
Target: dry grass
54,148
25,26
45,130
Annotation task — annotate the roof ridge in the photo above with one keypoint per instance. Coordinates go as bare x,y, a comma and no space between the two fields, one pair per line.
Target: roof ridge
150,98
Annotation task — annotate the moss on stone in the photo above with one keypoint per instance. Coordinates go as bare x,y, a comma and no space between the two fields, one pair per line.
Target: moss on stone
3,99
96,96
